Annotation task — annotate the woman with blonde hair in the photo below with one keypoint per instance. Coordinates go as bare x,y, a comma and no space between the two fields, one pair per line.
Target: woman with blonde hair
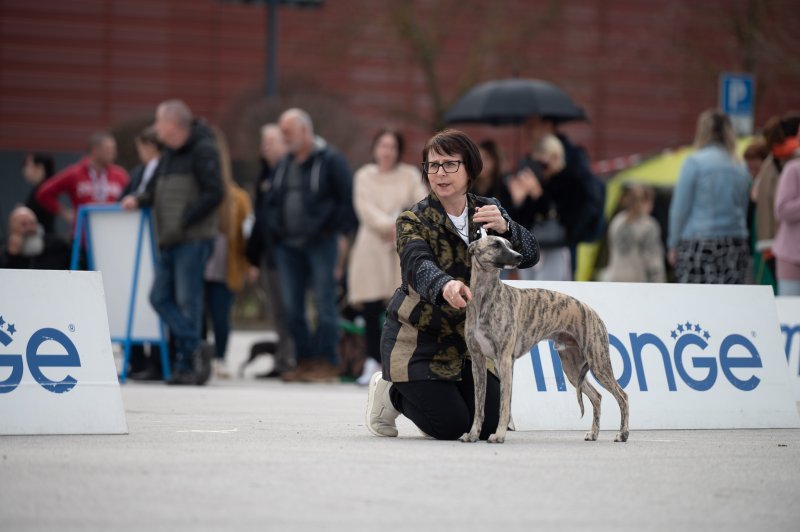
537,201
707,237
227,266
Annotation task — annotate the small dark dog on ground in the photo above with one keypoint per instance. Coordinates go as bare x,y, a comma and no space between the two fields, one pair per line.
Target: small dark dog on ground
267,347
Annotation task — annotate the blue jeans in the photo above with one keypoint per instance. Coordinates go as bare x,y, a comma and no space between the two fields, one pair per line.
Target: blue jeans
788,287
219,301
177,295
301,268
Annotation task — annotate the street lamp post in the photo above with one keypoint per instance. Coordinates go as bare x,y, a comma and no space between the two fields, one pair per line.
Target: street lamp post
271,71
271,59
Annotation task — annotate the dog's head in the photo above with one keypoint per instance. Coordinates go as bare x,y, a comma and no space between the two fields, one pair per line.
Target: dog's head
494,252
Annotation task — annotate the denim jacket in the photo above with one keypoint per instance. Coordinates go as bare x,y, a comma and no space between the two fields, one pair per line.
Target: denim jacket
710,198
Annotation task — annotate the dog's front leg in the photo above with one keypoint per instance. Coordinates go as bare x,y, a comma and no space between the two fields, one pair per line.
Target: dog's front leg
505,370
479,378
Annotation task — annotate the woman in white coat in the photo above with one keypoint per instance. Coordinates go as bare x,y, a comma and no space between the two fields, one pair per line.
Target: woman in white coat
381,190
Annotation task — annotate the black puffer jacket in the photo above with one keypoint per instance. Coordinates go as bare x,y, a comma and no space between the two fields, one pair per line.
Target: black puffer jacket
186,190
327,195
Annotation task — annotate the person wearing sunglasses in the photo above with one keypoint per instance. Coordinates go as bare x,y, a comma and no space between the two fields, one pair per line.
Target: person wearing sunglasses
426,372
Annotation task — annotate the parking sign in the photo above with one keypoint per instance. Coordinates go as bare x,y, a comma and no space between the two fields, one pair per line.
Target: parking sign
737,100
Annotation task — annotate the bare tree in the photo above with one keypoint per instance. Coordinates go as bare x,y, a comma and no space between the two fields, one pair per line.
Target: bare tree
425,29
755,36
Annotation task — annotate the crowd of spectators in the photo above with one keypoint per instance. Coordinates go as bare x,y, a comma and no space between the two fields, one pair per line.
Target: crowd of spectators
311,226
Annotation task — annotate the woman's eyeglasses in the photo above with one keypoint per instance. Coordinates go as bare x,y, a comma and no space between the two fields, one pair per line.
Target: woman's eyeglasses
449,167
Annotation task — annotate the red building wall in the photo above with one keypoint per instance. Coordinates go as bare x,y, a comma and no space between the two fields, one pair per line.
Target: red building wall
642,69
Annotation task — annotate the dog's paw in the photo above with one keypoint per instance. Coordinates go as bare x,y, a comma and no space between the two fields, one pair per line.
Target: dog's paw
590,436
494,438
468,437
622,437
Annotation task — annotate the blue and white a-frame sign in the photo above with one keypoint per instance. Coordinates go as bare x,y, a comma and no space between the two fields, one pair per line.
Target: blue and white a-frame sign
121,244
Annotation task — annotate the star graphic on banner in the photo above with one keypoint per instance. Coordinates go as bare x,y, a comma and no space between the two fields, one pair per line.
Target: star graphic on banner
697,328
673,334
706,335
680,328
688,326
11,329
2,321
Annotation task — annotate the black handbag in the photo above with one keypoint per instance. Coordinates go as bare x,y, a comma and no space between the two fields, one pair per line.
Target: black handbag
550,232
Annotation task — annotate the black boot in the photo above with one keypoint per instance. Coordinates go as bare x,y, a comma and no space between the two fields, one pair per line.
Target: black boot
202,357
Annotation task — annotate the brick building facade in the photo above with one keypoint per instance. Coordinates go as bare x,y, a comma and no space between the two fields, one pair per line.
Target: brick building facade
642,69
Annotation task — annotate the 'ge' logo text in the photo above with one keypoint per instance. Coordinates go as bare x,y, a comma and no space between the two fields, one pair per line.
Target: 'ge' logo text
36,360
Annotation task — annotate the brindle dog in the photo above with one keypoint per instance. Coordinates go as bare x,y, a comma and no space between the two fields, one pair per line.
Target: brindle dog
504,322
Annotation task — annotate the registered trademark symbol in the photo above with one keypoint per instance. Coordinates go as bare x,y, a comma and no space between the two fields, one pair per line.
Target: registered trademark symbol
71,327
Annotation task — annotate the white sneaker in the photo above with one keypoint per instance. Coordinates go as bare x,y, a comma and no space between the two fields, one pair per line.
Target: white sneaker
370,367
220,369
380,412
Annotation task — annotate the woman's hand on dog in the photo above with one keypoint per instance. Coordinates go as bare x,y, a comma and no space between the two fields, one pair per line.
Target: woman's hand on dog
456,293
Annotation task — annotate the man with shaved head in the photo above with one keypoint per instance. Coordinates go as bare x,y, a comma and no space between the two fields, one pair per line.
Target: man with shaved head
93,179
184,196
308,211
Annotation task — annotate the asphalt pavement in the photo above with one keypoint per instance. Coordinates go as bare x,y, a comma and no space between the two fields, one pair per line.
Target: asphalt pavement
251,454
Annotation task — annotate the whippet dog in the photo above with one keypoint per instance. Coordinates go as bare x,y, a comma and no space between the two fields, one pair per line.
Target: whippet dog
504,322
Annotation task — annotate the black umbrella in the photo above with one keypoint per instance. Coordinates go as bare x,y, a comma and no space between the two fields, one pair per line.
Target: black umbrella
512,101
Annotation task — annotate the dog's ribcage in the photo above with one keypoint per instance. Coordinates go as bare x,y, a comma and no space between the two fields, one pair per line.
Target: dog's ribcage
529,316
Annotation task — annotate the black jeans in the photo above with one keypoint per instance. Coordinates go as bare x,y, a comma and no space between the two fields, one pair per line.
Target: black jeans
373,327
444,409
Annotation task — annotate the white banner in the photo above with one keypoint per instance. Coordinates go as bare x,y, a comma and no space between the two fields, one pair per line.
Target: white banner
689,357
789,317
114,241
57,372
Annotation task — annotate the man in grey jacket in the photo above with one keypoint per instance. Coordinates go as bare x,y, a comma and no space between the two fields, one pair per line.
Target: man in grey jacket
184,197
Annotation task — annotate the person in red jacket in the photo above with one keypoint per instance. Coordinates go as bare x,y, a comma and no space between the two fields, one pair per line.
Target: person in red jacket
93,179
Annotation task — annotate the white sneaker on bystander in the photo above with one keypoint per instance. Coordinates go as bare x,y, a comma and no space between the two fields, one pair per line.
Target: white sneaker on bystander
370,367
221,369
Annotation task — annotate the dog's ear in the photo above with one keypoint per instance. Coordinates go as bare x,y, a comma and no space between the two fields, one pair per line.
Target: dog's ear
471,247
483,232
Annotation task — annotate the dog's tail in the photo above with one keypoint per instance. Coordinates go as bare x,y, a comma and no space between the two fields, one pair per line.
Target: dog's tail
579,384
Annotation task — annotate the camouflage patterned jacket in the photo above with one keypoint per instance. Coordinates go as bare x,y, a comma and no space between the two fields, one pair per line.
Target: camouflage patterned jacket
423,336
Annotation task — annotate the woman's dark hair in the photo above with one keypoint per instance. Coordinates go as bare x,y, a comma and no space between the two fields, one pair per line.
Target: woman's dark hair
490,147
397,137
454,142
778,128
149,136
757,149
44,160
